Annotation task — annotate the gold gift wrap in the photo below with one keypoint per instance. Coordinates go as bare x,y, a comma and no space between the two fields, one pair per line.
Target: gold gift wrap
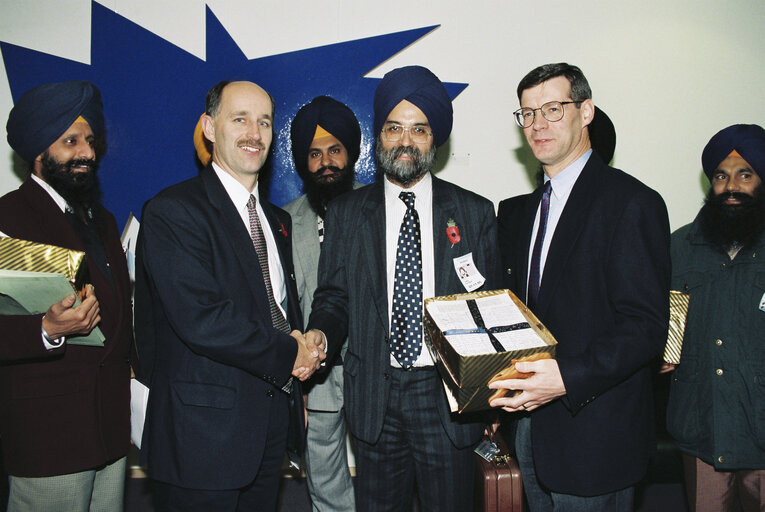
18,254
678,313
467,376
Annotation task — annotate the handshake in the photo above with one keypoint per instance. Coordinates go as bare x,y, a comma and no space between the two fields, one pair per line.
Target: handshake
311,352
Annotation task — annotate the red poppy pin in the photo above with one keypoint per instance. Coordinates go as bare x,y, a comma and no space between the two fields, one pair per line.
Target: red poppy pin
283,230
452,232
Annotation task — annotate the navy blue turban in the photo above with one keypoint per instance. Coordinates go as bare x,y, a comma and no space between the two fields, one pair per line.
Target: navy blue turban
418,86
748,140
336,118
44,113
602,135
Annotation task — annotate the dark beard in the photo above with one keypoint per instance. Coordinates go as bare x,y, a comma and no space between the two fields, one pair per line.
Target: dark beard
723,224
403,172
80,189
320,192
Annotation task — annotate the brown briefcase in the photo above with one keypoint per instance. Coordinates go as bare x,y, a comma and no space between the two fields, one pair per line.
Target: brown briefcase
498,483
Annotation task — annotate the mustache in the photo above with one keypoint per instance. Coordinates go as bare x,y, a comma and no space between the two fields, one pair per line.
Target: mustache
740,196
409,151
335,169
251,143
81,162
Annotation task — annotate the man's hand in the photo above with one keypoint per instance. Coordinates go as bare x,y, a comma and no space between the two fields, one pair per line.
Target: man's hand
545,385
307,360
315,342
667,367
63,320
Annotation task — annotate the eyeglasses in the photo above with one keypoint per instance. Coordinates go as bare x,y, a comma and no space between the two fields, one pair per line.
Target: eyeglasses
552,111
394,133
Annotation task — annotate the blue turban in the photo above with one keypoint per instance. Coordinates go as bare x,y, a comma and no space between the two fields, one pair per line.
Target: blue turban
44,113
336,118
418,86
747,139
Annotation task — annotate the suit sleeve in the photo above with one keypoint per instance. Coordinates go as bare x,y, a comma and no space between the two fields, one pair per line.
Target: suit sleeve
22,338
636,280
204,312
329,310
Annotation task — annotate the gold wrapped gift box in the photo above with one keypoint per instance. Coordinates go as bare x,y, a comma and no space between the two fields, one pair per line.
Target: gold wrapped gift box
34,276
678,312
466,377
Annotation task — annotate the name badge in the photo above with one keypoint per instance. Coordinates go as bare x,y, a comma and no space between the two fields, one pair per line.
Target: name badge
467,272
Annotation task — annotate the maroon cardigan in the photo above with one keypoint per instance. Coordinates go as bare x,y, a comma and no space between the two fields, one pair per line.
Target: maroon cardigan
68,409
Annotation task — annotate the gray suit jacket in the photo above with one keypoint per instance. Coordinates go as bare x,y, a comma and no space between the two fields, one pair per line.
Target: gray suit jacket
326,389
352,296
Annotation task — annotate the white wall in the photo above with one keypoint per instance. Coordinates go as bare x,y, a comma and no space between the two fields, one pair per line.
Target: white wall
668,73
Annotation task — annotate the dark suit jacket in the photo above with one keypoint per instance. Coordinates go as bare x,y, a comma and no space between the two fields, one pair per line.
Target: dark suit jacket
604,296
215,360
352,296
67,409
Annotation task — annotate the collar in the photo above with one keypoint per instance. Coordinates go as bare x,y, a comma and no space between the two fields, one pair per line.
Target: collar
239,195
423,190
60,201
564,181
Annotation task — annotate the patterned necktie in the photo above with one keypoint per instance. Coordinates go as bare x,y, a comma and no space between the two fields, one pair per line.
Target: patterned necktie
259,241
406,321
536,255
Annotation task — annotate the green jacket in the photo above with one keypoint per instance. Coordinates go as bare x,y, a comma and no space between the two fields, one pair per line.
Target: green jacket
716,408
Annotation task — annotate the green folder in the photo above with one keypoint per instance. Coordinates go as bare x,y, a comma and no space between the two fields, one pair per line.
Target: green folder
32,293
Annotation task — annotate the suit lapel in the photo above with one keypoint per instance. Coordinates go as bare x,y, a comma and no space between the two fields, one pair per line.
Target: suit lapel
568,230
372,237
444,209
526,238
236,234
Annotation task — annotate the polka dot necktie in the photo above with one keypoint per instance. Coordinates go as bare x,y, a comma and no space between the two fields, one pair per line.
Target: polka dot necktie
536,255
406,320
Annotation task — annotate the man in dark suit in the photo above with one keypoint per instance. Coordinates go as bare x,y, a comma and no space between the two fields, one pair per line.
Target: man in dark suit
220,297
386,249
592,262
65,408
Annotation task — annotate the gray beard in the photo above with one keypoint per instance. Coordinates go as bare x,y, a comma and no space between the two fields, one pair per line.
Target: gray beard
401,171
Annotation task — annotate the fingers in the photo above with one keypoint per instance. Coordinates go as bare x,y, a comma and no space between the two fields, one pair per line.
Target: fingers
316,343
62,319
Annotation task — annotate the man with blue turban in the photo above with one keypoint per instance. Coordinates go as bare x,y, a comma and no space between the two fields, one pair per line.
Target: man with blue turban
326,140
387,247
65,407
715,409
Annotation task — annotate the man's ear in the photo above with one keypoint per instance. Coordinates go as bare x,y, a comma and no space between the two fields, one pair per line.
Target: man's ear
37,166
587,112
207,128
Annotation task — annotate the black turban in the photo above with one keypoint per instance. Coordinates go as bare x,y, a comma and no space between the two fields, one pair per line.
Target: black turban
336,118
602,135
422,88
44,113
746,139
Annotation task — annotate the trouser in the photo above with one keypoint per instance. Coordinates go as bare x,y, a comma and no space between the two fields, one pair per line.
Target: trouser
710,490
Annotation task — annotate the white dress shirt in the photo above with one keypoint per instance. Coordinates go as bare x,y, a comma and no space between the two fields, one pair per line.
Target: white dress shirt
240,197
394,216
562,184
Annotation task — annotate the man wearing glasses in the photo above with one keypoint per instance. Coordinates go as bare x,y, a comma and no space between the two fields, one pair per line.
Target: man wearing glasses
387,248
592,262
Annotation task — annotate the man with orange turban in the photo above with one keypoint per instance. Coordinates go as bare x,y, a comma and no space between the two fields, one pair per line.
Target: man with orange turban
716,409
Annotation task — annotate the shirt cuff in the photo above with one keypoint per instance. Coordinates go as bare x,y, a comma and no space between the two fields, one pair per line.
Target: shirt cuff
49,342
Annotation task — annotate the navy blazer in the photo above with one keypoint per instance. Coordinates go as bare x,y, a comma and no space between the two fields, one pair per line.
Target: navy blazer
604,296
352,297
67,409
214,360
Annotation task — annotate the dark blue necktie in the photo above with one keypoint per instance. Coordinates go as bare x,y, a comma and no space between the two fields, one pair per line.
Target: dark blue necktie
536,255
406,319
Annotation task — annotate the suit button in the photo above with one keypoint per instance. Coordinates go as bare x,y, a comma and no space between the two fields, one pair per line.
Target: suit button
719,371
270,393
720,459
509,271
718,342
